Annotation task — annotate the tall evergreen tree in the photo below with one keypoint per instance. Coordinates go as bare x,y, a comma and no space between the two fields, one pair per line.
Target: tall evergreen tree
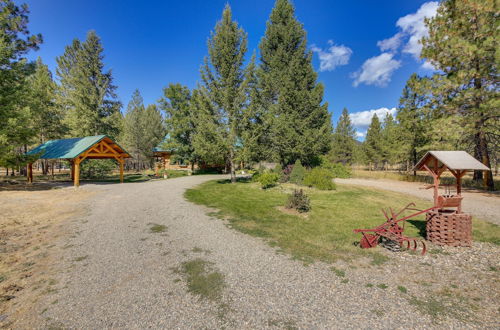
154,130
344,139
373,142
463,44
15,42
133,131
87,91
299,122
46,116
414,119
392,148
222,94
180,121
253,133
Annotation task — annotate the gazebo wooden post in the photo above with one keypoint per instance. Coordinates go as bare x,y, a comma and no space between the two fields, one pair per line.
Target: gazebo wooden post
30,173
76,174
121,161
72,172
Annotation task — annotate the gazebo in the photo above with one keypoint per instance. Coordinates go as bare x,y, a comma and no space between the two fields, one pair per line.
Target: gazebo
444,225
76,150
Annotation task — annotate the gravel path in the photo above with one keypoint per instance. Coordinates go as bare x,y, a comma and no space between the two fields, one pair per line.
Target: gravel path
481,204
115,273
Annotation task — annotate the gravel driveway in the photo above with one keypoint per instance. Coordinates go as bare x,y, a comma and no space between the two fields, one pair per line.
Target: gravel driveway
114,272
481,204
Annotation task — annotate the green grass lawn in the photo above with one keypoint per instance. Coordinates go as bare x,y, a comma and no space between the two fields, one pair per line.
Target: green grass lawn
327,232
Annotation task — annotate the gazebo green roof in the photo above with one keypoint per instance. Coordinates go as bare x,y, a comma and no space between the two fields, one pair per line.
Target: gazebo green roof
66,148
160,147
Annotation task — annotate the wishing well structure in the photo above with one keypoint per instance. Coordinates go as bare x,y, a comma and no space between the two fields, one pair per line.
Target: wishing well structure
446,223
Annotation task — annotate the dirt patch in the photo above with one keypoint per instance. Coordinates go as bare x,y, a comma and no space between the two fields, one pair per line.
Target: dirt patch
30,222
292,212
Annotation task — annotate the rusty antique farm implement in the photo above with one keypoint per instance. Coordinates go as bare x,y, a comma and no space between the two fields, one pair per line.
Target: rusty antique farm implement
392,230
446,224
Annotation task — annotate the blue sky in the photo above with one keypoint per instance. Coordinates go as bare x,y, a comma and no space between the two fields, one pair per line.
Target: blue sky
364,50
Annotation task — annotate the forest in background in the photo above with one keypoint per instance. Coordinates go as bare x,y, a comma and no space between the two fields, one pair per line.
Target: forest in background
264,107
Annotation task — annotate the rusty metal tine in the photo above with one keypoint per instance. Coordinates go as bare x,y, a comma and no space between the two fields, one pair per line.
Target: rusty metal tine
424,247
407,207
385,214
392,214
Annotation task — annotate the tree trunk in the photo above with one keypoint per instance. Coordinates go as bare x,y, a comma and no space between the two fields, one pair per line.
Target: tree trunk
232,169
414,151
488,175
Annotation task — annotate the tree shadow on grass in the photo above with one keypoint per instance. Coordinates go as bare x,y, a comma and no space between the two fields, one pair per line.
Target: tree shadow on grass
245,179
420,225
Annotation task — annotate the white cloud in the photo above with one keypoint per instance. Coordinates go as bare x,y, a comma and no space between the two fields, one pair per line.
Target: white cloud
413,25
428,66
376,70
391,44
360,134
335,55
364,118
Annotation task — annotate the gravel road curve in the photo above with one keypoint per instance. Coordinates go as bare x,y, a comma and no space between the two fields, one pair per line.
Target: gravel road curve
481,204
115,273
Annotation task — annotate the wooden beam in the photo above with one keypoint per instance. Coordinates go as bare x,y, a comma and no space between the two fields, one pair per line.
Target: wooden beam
109,147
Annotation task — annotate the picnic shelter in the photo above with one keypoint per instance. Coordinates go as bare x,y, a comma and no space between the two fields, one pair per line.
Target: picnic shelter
75,150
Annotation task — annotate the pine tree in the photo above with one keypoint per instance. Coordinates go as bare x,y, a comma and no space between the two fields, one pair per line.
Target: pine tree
87,91
180,121
344,139
222,93
463,44
46,116
253,132
413,116
133,131
154,130
373,142
392,151
299,121
15,42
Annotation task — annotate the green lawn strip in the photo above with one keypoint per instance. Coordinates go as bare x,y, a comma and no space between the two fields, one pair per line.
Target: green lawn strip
327,233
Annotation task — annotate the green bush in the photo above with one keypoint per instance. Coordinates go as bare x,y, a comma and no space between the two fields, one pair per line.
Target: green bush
97,168
299,201
298,173
268,179
338,170
319,178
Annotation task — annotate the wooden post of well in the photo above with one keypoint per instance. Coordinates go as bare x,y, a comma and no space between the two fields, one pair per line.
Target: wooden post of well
121,169
76,174
30,173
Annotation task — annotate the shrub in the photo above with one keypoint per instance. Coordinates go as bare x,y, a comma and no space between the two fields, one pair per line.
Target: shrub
299,201
298,173
256,175
338,170
268,179
319,178
97,168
